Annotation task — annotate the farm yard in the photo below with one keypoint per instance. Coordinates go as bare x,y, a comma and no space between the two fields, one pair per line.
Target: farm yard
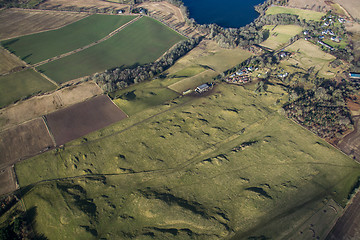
302,13
141,42
42,46
80,119
47,103
16,86
280,35
172,165
19,22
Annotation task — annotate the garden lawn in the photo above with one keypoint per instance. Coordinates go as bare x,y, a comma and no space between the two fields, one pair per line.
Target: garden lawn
142,42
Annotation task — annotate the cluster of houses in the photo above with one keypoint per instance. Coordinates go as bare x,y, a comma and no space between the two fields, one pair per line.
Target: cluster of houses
328,22
240,77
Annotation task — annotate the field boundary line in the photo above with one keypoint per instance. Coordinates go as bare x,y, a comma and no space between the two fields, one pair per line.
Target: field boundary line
87,46
46,77
127,116
48,129
14,177
335,147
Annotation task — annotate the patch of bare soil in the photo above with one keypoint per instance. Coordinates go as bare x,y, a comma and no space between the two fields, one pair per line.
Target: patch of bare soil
80,119
88,4
45,104
23,141
7,181
315,5
19,22
170,15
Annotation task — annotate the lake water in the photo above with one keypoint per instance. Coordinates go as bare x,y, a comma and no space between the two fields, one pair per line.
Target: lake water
225,13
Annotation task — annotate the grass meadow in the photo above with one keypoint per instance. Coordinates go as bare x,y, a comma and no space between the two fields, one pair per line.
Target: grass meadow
307,55
214,166
302,13
41,46
141,42
22,84
280,35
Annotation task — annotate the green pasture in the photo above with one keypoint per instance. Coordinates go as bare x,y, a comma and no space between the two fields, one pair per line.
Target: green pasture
22,84
41,46
141,96
308,55
141,42
224,59
189,71
280,35
302,13
184,84
211,167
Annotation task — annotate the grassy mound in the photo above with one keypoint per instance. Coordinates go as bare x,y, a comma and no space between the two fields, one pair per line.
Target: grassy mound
203,168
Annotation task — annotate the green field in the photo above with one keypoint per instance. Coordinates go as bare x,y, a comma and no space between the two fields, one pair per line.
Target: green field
41,46
280,35
303,14
308,55
141,42
142,96
203,168
19,85
184,84
341,44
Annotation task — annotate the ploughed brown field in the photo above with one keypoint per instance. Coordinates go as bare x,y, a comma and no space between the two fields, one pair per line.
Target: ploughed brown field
351,142
23,141
348,226
7,181
18,22
83,118
47,103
